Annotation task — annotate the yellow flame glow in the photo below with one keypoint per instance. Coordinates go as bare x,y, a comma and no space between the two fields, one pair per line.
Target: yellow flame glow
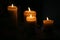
12,5
47,18
30,16
29,8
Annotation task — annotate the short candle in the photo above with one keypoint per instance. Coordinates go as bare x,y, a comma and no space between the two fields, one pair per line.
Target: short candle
13,10
29,11
48,21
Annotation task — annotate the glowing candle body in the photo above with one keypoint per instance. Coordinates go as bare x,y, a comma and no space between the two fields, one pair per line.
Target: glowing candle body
13,10
31,18
48,22
28,12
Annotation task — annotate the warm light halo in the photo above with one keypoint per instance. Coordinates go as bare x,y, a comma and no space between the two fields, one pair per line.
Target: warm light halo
47,18
12,5
30,15
29,9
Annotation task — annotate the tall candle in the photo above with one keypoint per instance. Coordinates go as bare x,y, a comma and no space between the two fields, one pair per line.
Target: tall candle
13,9
13,12
31,18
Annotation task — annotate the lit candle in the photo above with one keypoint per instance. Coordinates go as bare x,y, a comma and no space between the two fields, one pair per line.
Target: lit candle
29,11
48,21
47,25
13,12
31,18
13,9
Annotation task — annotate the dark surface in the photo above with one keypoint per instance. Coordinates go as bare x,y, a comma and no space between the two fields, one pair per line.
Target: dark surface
25,31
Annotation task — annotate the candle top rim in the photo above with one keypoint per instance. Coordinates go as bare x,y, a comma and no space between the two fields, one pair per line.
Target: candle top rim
49,19
30,11
12,5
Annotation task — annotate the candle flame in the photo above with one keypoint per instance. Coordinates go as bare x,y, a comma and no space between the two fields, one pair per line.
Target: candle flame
47,18
12,5
29,8
30,16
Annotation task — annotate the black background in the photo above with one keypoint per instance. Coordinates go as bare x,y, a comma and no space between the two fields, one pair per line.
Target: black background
44,8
